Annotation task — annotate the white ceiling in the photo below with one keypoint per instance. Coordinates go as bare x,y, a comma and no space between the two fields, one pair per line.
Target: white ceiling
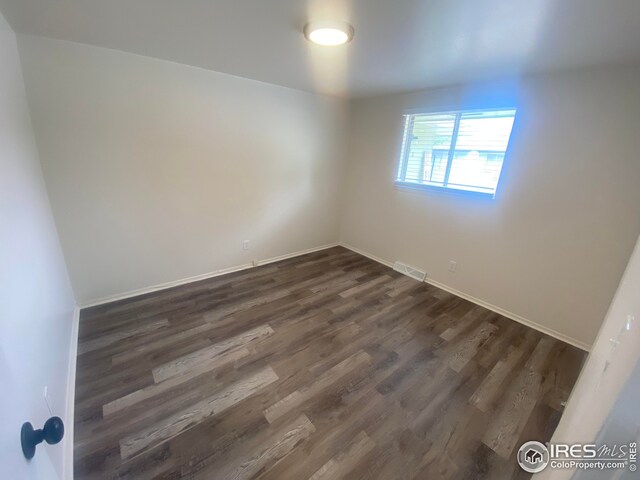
398,45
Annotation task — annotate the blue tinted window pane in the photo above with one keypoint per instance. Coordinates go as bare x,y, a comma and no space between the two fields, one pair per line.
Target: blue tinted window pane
479,140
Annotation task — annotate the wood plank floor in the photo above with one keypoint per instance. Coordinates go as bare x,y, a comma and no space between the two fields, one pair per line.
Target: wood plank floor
324,366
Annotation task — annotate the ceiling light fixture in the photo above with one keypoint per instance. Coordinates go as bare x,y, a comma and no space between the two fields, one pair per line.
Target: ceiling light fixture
328,33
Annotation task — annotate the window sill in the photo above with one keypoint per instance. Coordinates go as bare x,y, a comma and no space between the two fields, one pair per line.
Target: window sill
417,187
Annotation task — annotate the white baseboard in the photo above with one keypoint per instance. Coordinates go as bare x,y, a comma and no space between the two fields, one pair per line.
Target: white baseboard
296,254
204,276
67,464
513,316
505,313
367,254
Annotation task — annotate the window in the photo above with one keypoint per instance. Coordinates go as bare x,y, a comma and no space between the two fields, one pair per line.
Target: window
461,151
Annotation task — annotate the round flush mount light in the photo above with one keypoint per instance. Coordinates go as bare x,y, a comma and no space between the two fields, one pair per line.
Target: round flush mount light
328,33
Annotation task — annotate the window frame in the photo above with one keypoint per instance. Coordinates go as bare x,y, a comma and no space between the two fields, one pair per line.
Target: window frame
409,116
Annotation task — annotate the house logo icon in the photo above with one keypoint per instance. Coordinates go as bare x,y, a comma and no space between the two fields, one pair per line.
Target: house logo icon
533,457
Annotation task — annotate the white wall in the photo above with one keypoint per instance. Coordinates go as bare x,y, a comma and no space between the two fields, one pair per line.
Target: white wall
157,171
607,370
552,246
36,301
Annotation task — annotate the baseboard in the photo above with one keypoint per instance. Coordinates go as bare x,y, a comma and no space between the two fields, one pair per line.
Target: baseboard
163,286
513,316
266,261
505,313
367,254
204,276
67,464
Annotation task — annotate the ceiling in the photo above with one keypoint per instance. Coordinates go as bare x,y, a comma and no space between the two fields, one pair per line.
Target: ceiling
399,45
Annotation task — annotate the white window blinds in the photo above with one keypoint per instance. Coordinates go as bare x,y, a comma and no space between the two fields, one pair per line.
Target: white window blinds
458,150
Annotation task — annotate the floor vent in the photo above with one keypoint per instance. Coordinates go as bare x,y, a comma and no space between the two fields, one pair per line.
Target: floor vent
410,271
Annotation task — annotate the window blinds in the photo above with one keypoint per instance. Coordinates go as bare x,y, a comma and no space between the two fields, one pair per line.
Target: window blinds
458,150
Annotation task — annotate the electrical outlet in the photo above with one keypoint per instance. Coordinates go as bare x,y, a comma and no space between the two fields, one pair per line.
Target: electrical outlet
246,245
452,266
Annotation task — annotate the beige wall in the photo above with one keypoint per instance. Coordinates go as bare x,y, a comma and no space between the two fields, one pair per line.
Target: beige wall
36,300
157,171
553,244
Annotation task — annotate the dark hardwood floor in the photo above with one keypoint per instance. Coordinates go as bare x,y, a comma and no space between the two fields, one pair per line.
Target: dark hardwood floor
328,365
